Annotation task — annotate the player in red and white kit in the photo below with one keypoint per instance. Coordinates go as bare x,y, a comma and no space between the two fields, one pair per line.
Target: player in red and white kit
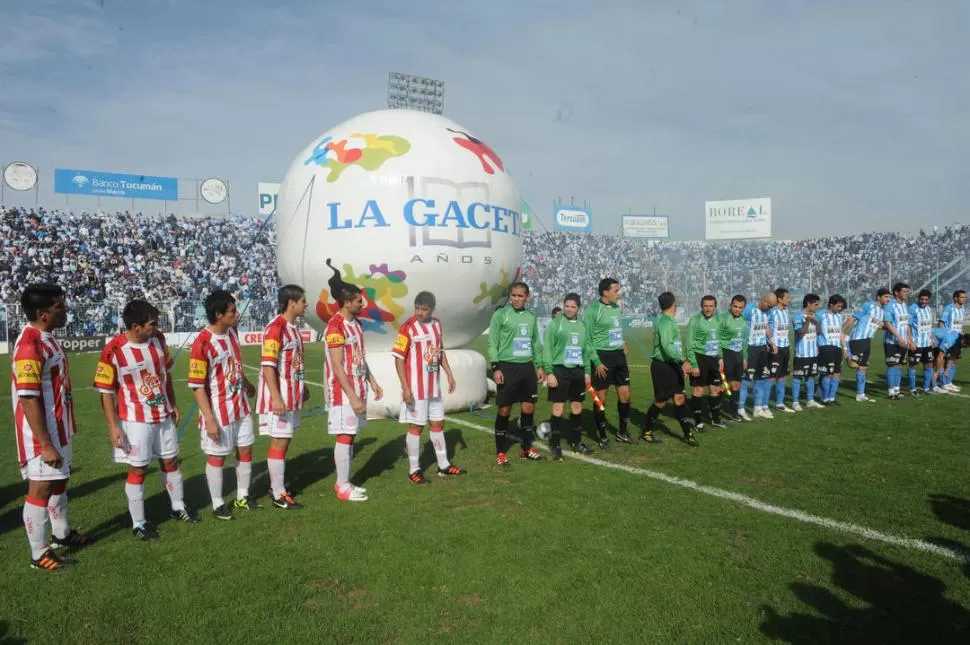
282,391
420,358
346,376
138,399
43,413
221,390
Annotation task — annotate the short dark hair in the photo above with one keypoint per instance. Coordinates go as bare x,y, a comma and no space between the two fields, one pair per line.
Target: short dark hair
37,297
556,310
836,299
883,291
217,303
574,297
809,299
958,293
739,298
666,300
345,293
925,293
518,284
138,312
606,284
708,298
425,299
780,292
287,294
899,286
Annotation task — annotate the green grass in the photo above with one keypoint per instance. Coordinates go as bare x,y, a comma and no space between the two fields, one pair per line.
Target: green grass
541,553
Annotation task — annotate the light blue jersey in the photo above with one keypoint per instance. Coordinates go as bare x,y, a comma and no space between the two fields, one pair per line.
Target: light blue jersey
921,325
868,320
952,317
831,332
946,339
757,325
807,345
897,313
779,324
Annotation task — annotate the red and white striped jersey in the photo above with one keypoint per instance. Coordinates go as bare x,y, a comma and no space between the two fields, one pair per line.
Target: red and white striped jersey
419,346
350,335
215,364
39,369
137,374
282,349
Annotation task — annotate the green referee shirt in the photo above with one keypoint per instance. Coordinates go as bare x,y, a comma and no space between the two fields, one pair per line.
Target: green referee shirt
566,343
731,333
702,338
513,337
604,328
667,345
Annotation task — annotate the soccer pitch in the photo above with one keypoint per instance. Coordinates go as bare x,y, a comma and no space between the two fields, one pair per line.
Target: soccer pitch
848,524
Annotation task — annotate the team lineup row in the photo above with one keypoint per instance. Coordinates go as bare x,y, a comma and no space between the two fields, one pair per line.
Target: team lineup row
135,381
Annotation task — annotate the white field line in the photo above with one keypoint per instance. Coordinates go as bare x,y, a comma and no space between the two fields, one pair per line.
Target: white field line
765,507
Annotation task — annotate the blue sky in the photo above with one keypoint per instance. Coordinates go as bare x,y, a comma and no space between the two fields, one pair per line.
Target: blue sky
851,116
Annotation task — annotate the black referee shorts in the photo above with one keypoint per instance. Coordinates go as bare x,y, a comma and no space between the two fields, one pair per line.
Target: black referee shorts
570,384
668,379
618,372
519,385
710,372
733,365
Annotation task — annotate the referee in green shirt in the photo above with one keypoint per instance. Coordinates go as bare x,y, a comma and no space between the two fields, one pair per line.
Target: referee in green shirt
609,366
706,364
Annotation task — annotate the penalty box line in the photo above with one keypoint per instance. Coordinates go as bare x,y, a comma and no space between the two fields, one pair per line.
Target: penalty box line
912,544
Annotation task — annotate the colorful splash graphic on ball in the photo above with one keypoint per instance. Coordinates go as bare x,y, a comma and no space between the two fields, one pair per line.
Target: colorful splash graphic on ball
338,155
497,290
480,149
380,288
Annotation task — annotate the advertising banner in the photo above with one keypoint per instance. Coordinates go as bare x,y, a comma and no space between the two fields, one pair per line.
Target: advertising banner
256,337
738,219
646,226
112,184
573,218
77,344
269,195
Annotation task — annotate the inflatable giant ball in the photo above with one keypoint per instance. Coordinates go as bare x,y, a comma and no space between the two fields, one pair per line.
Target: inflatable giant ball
398,202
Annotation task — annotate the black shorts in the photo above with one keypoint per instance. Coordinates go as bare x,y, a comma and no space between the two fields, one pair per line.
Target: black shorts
759,363
829,359
859,351
710,372
520,384
618,373
733,365
921,355
781,362
571,384
895,354
952,354
805,367
668,380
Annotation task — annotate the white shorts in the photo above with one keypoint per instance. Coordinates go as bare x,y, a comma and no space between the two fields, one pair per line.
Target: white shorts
147,441
341,419
37,470
422,411
238,434
279,427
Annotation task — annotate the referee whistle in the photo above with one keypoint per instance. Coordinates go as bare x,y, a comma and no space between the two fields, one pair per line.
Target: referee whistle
596,399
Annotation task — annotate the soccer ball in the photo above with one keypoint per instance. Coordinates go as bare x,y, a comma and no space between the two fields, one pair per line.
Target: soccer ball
543,430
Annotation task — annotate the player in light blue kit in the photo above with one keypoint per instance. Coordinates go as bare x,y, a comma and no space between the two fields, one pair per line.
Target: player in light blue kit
952,319
868,320
921,331
779,326
807,326
897,341
831,347
949,342
759,361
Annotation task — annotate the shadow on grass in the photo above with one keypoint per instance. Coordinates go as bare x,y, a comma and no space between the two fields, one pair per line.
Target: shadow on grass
12,519
892,603
6,638
954,511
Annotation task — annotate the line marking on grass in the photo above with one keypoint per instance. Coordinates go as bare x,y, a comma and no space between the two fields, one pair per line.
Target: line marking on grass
765,507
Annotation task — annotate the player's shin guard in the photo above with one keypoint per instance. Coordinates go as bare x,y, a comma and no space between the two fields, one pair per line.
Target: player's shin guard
759,393
135,491
680,411
733,402
912,377
860,383
526,427
501,434
949,374
172,478
697,408
715,404
652,413
576,434
276,465
341,460
810,389
35,522
555,431
834,388
779,392
213,476
927,378
623,411
796,389
244,474
413,443
743,394
440,447
57,510
600,417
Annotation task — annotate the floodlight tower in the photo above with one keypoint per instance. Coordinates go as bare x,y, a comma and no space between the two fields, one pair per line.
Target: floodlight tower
415,92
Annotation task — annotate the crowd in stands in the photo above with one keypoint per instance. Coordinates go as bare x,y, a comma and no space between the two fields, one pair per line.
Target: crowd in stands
103,259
